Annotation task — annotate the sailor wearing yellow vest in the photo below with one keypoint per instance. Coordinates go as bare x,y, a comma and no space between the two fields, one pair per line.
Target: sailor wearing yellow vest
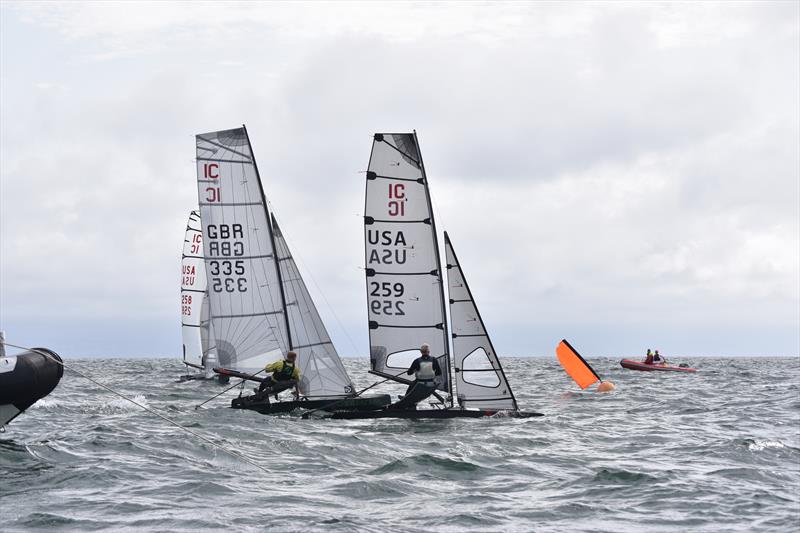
285,374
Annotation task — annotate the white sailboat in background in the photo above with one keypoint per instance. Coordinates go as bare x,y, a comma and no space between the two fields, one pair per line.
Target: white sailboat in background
258,305
194,304
406,296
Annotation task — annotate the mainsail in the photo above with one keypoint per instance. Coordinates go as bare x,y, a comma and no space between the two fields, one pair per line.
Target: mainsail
193,290
480,380
405,293
258,304
246,300
321,370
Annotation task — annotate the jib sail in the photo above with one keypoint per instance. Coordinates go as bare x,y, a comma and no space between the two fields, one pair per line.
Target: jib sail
480,380
321,370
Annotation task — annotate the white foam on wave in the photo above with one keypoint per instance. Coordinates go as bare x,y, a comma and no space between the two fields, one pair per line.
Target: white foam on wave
45,403
120,404
758,445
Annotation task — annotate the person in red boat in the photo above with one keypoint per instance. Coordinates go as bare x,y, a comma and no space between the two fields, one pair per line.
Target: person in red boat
649,359
657,359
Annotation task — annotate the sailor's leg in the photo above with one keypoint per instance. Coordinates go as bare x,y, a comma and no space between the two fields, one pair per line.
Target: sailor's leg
266,384
281,386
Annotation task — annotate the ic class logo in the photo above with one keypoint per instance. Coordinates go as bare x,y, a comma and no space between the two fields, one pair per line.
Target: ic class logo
397,200
211,172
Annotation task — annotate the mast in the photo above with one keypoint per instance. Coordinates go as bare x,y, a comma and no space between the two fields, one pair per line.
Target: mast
439,267
271,237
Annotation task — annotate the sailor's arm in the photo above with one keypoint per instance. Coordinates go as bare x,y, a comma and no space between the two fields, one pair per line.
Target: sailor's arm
274,367
437,370
414,367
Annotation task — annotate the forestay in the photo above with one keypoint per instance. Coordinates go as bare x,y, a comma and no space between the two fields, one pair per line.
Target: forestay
193,289
245,292
321,370
405,295
480,380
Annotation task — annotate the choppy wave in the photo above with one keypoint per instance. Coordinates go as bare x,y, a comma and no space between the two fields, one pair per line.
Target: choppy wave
664,452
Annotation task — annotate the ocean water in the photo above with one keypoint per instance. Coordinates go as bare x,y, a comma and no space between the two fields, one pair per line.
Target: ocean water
714,451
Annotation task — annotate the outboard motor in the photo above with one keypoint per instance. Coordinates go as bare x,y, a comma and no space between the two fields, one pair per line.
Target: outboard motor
26,378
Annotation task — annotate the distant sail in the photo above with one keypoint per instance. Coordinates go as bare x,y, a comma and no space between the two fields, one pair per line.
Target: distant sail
193,290
320,367
575,365
245,293
405,295
480,380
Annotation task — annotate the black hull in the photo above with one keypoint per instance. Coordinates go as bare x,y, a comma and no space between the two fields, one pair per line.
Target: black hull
360,403
25,379
430,414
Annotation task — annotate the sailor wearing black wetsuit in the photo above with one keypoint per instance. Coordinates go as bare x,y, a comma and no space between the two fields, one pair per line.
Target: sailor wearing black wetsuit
425,368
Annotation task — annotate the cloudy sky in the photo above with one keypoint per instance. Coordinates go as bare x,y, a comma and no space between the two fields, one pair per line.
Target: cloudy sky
623,175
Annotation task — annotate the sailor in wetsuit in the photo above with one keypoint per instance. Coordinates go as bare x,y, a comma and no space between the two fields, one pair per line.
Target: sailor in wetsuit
285,374
657,359
425,368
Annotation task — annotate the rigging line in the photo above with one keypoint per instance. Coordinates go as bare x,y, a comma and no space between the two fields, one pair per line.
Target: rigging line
198,406
300,261
148,409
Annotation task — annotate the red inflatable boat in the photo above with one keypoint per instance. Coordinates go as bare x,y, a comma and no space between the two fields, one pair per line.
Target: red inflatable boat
638,365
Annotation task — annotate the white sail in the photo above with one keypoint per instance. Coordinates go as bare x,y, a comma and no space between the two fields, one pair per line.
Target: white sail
245,295
405,295
480,380
321,370
193,289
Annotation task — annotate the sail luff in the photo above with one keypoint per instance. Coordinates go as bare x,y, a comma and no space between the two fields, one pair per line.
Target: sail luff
271,236
478,339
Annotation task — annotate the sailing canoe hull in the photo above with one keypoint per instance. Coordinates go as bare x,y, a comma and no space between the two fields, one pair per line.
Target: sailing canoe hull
430,414
360,403
638,365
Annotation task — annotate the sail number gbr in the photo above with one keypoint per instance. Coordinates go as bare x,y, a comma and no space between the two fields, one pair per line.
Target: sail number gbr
226,275
385,298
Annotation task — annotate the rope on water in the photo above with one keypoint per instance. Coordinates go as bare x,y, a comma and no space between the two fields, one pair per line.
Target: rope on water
148,409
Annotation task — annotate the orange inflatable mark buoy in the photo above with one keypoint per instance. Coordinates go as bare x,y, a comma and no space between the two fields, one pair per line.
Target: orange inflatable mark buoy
606,386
